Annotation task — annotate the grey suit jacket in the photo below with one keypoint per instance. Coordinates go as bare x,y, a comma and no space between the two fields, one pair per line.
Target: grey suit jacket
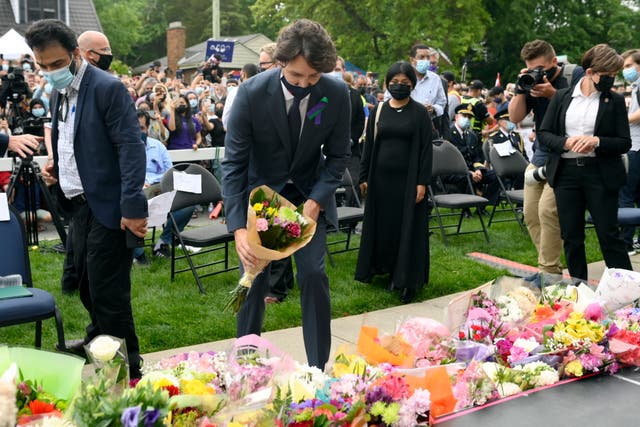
258,149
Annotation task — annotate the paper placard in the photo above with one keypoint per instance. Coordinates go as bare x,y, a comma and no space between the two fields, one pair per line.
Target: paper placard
187,182
4,207
159,207
504,149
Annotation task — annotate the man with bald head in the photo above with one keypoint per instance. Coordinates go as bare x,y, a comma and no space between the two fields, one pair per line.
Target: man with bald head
95,48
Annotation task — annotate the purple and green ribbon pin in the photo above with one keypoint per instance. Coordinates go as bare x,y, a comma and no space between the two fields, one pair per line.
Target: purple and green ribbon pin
315,113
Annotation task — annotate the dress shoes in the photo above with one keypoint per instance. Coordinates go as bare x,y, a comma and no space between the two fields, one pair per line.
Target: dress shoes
408,295
74,347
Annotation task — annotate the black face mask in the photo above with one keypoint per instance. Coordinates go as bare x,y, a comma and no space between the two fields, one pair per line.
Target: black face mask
605,84
400,91
219,113
181,109
362,90
296,91
551,72
104,62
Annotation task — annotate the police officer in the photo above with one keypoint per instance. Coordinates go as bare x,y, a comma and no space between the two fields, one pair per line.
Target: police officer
484,180
507,133
480,111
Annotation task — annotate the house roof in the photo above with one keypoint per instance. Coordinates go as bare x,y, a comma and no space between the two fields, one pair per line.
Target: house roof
81,17
245,51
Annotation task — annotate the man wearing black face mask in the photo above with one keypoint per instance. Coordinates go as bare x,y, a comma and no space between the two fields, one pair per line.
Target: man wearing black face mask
95,48
289,129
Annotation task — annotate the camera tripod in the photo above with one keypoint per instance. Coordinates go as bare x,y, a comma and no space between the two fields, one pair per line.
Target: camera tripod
28,173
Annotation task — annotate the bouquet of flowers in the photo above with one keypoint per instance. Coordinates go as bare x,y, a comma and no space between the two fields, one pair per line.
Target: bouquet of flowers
275,229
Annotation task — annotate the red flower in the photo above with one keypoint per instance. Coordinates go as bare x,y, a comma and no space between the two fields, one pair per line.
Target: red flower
293,230
173,390
39,407
461,335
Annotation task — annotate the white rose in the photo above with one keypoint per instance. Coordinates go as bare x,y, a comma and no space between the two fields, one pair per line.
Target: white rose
508,389
104,348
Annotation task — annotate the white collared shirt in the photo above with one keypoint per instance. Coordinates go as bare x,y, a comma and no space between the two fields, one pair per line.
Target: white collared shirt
581,117
634,128
288,102
68,174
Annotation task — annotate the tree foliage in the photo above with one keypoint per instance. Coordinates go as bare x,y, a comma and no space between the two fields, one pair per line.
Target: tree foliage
487,34
571,26
375,33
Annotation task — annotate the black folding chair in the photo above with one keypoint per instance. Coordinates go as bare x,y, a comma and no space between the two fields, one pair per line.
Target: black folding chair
447,161
509,166
214,236
348,219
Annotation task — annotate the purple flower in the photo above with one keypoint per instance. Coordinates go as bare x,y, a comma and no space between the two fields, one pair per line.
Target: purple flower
130,416
150,417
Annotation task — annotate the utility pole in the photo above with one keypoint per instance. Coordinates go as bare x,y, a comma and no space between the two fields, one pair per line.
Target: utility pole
215,19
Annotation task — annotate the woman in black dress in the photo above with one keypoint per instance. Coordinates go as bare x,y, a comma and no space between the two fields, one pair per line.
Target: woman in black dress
394,173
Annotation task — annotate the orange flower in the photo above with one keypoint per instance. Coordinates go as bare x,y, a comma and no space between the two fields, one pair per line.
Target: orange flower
39,407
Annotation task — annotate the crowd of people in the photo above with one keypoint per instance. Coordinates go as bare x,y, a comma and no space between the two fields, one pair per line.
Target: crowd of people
569,121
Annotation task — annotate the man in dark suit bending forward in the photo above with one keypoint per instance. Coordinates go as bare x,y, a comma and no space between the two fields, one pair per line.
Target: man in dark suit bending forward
263,146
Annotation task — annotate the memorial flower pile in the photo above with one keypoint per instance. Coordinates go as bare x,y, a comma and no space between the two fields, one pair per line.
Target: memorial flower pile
519,339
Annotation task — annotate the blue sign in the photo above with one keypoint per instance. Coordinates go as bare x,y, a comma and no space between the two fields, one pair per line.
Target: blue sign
224,49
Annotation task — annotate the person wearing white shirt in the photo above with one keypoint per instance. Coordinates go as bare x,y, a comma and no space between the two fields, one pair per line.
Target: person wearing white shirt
586,131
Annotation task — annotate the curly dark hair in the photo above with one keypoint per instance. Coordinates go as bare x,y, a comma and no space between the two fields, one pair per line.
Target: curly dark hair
42,34
309,39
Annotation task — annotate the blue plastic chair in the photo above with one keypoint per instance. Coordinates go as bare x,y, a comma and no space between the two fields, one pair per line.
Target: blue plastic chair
14,259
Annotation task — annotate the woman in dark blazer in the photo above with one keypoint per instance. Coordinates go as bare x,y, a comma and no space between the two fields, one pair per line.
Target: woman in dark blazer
587,131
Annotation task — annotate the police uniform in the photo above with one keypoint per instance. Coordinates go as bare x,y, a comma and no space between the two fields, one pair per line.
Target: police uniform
514,137
467,142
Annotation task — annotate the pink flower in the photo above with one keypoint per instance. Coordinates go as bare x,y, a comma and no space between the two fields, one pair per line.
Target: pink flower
294,230
262,224
593,312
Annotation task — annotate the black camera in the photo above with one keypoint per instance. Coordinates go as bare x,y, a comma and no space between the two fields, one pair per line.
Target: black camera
14,88
531,78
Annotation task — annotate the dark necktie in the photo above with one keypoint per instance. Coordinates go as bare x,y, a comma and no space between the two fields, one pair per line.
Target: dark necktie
294,123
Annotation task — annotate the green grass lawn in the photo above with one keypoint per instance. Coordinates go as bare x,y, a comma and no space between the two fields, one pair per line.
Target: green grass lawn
174,314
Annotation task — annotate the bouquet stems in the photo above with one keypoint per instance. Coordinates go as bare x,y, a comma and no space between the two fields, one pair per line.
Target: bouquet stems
239,293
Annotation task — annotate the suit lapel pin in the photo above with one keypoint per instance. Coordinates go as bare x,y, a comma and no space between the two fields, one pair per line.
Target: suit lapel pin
315,113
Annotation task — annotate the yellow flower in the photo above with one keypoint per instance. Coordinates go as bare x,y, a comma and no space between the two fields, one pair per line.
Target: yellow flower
258,207
162,382
271,212
196,387
574,368
349,364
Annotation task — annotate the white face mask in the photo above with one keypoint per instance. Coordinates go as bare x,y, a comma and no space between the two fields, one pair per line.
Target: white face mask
464,122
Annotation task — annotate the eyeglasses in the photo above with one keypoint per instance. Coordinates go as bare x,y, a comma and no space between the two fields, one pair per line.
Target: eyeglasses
265,64
63,108
103,51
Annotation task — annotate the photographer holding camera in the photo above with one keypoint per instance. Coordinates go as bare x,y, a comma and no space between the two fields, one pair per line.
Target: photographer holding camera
537,83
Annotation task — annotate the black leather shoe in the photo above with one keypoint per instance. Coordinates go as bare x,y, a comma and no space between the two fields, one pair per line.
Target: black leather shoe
74,347
408,295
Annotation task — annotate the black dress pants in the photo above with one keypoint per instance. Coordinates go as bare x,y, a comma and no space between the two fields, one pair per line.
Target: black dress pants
103,263
580,188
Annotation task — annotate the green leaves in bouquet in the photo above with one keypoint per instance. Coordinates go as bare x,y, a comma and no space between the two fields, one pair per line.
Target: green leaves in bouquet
97,406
